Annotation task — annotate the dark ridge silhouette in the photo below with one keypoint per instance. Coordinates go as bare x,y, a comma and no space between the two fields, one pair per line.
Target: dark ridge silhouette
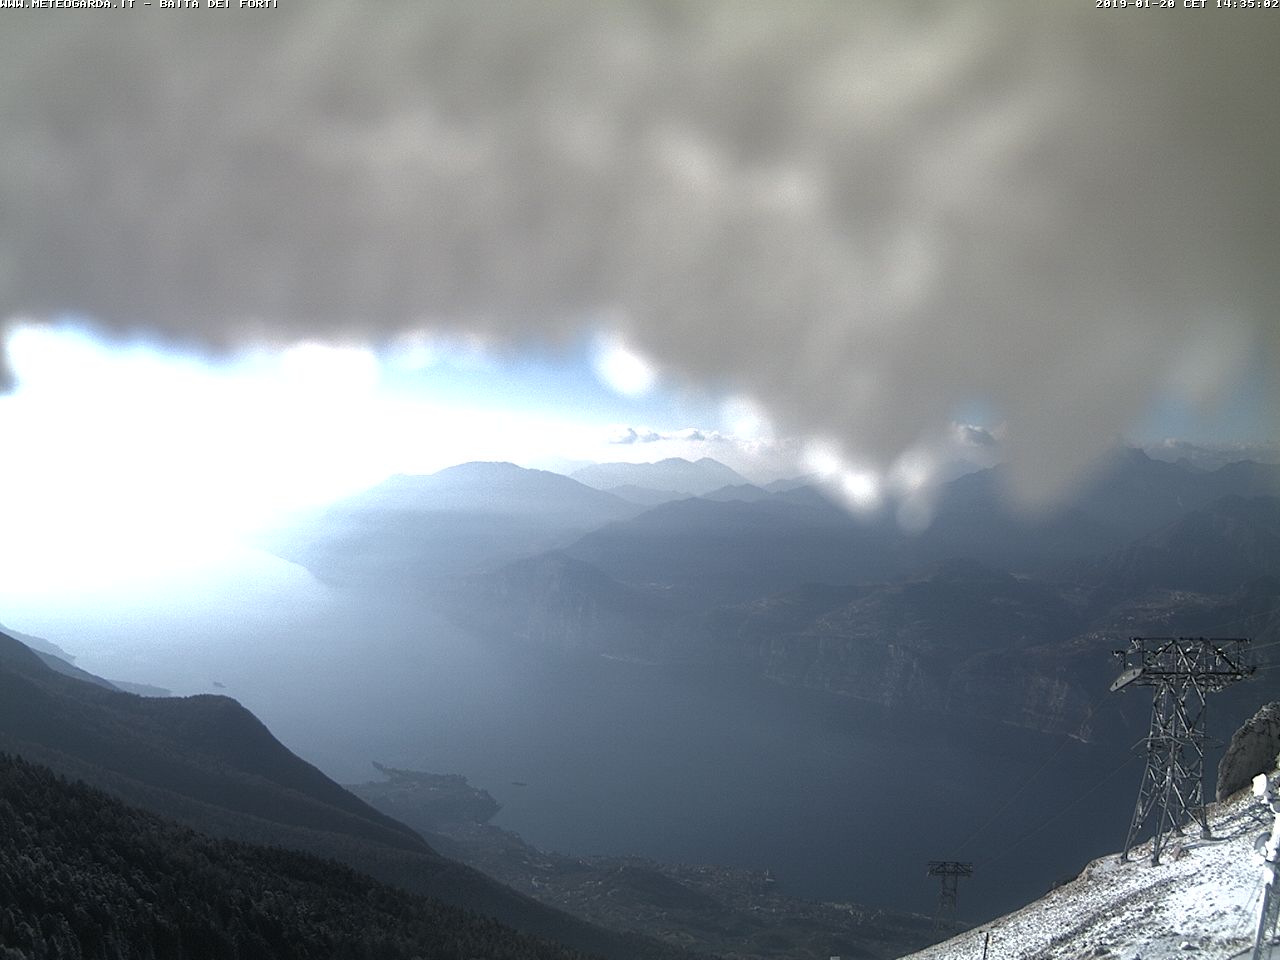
674,473
730,542
1217,547
207,748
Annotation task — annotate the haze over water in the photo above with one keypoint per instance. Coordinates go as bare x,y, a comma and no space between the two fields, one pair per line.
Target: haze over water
841,800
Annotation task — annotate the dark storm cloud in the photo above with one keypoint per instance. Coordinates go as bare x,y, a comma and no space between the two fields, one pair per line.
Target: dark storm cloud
863,215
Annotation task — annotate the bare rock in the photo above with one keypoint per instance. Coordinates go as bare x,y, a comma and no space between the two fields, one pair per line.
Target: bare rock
1252,751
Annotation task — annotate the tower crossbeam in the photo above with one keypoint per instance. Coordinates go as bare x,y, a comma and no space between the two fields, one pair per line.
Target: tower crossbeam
950,872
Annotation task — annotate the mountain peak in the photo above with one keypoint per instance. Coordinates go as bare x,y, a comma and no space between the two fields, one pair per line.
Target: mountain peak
488,486
482,467
674,474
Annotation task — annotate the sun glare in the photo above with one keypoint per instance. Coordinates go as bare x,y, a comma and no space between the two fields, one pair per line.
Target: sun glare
126,462
861,489
623,370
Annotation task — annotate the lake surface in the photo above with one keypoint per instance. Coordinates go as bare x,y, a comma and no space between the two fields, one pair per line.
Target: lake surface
840,800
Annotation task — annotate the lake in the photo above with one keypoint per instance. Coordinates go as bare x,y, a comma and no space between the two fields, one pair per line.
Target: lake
587,755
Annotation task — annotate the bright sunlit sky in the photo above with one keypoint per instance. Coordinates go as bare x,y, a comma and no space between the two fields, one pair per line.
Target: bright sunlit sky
121,453
262,429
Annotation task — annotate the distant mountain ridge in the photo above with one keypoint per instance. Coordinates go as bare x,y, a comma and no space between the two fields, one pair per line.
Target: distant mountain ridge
1008,614
674,474
1215,547
409,530
58,659
689,579
38,644
492,488
799,534
205,748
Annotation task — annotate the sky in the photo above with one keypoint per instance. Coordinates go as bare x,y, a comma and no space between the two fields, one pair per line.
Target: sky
255,259
277,428
180,445
180,453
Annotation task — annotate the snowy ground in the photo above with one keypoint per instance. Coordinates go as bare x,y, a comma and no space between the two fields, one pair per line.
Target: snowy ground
1201,901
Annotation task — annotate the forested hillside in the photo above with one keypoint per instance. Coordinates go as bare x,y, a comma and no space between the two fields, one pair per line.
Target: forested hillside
207,762
84,876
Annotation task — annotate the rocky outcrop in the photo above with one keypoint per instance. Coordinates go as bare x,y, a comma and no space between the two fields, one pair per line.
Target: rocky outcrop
1252,751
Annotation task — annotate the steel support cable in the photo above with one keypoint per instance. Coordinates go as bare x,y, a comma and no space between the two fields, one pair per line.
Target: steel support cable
1271,612
1057,814
1216,628
1029,780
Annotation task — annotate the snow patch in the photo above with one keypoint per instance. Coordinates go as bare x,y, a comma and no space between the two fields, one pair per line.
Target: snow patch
1201,902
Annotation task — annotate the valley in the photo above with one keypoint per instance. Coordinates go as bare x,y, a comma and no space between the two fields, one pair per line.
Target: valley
709,909
753,687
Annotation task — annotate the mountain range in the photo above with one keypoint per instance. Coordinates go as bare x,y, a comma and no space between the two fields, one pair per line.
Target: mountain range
1008,614
58,659
673,477
411,529
795,587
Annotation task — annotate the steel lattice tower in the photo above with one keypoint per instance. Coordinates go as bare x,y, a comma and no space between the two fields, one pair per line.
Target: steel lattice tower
950,871
1182,671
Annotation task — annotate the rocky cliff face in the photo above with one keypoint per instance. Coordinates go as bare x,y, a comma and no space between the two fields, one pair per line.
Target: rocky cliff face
961,639
1252,751
796,590
1046,687
559,603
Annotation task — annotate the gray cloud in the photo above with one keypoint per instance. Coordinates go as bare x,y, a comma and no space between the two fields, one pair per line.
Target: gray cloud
969,435
865,216
627,435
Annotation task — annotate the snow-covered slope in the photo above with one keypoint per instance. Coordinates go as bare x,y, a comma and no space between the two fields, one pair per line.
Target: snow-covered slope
1200,902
